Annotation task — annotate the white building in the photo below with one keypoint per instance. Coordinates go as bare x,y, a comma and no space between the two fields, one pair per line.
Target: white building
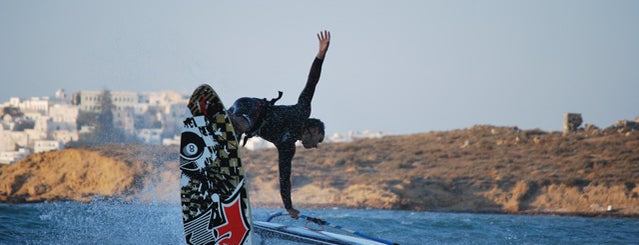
9,157
50,123
124,119
92,100
354,135
37,104
366,134
41,127
17,139
33,136
124,104
65,136
171,108
150,136
61,97
173,117
47,145
63,117
160,98
6,143
14,102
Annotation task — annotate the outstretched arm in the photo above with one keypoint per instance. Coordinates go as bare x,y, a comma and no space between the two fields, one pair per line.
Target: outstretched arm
316,69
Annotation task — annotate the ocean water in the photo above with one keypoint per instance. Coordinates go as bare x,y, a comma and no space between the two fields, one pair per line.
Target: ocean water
119,223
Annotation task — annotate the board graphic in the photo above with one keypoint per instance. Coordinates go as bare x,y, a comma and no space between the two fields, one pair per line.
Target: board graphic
215,202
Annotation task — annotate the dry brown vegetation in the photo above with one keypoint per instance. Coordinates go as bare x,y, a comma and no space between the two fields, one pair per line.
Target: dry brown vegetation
479,169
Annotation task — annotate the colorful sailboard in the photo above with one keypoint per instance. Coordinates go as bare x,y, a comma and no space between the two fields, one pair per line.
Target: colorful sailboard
215,202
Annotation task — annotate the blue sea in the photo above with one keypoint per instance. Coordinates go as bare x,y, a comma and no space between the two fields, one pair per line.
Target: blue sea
125,223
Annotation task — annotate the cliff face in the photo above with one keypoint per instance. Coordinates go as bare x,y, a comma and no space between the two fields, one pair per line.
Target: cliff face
481,169
84,174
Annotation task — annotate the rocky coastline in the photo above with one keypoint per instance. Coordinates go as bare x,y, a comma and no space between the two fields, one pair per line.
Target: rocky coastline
482,169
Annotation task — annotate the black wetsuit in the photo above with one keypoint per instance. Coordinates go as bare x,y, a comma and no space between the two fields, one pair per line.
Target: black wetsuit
281,125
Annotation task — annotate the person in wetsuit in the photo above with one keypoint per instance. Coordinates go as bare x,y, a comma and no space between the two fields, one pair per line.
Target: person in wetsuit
283,125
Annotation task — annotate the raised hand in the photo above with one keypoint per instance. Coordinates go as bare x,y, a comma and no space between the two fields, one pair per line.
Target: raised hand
324,38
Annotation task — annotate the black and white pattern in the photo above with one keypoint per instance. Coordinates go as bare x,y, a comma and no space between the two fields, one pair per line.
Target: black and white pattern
215,204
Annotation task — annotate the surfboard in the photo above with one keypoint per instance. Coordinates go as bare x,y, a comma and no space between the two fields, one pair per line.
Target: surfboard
215,202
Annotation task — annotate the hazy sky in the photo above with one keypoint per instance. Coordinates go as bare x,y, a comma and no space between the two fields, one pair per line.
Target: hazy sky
399,67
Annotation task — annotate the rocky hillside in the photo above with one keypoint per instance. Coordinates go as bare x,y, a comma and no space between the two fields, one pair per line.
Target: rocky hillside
480,169
129,172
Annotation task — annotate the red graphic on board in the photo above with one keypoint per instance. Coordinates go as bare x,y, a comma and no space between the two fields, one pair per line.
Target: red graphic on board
235,230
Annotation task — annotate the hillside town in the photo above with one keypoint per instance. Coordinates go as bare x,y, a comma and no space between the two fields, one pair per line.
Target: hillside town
40,124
